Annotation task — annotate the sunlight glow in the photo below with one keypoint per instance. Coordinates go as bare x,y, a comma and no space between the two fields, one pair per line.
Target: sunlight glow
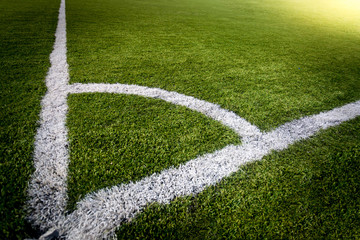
340,13
347,11
351,4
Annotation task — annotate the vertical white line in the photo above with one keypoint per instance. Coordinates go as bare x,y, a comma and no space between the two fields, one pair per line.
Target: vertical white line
47,189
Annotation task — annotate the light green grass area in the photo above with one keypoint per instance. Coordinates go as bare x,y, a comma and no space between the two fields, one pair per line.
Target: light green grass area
269,61
120,138
26,39
309,191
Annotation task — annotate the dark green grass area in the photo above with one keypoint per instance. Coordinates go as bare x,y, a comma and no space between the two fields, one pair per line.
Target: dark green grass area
120,138
309,191
269,61
26,38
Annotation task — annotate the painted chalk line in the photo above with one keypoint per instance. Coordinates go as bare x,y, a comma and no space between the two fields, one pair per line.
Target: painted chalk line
47,188
101,212
242,127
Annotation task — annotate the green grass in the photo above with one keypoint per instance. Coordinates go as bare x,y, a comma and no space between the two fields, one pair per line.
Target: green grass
309,191
117,138
26,39
270,61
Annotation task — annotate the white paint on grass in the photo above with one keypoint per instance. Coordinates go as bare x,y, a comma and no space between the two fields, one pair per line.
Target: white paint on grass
242,127
100,213
47,189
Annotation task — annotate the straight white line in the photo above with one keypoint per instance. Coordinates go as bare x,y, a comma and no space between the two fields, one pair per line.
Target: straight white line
305,127
47,188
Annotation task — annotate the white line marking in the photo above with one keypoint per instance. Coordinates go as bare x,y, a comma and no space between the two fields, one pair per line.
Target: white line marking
47,189
100,213
227,118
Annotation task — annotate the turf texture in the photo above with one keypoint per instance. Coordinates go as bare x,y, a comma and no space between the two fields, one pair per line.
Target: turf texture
269,61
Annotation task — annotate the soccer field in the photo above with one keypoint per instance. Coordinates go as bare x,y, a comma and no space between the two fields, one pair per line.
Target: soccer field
175,102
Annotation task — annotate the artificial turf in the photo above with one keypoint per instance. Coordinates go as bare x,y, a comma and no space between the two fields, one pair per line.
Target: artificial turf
269,61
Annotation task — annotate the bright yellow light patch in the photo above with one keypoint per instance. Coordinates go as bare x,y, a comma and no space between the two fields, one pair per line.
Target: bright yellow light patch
351,4
339,13
345,8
